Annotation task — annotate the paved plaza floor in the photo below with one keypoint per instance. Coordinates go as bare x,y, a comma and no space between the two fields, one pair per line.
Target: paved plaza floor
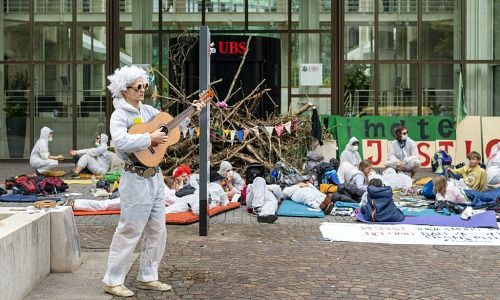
243,259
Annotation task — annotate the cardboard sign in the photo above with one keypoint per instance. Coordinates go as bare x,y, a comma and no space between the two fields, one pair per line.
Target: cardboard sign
491,134
468,138
426,151
376,151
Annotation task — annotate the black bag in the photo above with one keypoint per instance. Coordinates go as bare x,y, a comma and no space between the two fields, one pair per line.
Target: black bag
253,171
102,184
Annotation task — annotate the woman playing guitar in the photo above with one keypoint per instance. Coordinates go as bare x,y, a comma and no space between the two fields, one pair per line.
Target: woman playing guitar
141,187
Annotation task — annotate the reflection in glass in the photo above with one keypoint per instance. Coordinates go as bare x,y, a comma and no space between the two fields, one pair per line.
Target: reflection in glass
53,104
358,93
441,30
267,14
484,43
311,14
15,33
311,48
358,30
14,111
482,89
91,103
91,43
398,90
398,38
439,91
225,14
52,41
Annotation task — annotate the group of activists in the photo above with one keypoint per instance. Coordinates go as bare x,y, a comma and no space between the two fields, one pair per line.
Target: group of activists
95,160
146,194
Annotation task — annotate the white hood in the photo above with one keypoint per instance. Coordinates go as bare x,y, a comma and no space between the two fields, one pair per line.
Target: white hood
45,132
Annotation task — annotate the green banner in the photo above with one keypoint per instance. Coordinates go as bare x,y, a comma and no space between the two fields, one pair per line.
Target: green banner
424,128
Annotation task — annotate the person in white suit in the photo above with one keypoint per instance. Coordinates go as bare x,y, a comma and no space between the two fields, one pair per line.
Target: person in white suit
403,153
97,160
142,190
40,158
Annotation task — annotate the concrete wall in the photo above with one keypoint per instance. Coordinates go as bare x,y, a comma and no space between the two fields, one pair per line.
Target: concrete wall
24,252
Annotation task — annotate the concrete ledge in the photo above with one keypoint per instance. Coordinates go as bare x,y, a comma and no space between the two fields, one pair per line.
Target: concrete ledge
32,243
24,251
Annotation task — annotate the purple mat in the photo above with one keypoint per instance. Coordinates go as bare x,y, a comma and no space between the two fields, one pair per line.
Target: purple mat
483,220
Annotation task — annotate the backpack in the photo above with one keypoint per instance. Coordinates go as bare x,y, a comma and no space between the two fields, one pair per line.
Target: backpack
255,170
314,158
113,176
26,185
52,185
428,190
380,206
445,161
285,175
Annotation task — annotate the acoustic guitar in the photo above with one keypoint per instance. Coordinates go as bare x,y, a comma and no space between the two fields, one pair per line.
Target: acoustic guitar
153,155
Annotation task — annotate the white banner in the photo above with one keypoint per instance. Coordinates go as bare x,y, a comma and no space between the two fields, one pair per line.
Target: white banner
410,234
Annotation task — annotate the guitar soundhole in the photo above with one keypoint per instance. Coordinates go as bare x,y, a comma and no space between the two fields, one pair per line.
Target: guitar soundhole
151,149
164,129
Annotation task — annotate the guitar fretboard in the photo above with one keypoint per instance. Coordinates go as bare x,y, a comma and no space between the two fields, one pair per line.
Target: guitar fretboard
179,118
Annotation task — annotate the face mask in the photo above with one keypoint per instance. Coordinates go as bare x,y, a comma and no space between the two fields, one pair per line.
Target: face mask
50,139
97,144
229,173
404,137
354,148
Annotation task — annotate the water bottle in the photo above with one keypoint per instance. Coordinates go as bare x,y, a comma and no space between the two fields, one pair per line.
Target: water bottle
93,188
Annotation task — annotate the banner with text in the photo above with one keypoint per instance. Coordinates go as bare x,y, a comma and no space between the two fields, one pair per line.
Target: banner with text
429,133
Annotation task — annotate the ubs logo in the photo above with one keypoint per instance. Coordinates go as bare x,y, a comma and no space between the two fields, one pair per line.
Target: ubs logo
231,47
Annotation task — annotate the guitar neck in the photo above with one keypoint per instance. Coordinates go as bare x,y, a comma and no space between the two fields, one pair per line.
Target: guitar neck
180,117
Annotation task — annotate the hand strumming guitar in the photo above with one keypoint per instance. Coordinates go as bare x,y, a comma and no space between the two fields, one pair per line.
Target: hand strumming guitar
158,137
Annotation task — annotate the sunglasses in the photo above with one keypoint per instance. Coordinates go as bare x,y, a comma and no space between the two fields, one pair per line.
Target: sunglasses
140,86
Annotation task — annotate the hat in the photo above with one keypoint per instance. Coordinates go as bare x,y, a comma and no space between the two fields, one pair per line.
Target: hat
225,166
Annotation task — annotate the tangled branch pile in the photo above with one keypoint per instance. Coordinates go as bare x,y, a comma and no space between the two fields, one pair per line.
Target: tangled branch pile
258,146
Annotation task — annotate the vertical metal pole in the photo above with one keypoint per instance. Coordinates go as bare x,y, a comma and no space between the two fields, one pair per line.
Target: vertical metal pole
205,149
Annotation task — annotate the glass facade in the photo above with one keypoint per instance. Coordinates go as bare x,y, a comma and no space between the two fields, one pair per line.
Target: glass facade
386,57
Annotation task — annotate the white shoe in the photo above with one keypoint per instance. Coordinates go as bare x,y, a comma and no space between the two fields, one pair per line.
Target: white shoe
467,213
154,285
118,290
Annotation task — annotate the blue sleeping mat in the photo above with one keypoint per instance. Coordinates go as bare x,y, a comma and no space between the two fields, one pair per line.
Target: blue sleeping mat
293,209
482,220
25,198
407,211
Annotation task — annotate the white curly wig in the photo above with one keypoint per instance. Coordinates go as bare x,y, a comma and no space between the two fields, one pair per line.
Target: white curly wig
123,77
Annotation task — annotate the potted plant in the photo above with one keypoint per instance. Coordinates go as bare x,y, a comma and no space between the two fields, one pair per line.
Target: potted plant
16,111
356,80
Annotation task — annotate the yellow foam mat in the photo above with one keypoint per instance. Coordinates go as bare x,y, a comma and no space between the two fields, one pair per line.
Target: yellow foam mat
423,181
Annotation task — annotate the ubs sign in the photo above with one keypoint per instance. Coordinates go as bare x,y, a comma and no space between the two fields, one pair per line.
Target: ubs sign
231,47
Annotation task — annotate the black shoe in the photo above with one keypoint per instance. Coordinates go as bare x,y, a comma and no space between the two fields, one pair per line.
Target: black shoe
267,219
256,210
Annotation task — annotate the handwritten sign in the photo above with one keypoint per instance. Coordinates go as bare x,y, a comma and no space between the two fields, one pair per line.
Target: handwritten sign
410,234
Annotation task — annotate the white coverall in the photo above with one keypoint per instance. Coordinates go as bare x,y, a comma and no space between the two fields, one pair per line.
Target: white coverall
347,173
493,165
113,204
39,158
408,154
351,155
264,196
98,159
397,181
309,195
192,202
142,201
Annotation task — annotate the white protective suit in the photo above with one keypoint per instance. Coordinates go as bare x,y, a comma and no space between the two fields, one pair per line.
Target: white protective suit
39,158
408,154
264,196
493,165
350,154
113,204
142,201
397,181
98,159
237,180
349,174
309,196
192,202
